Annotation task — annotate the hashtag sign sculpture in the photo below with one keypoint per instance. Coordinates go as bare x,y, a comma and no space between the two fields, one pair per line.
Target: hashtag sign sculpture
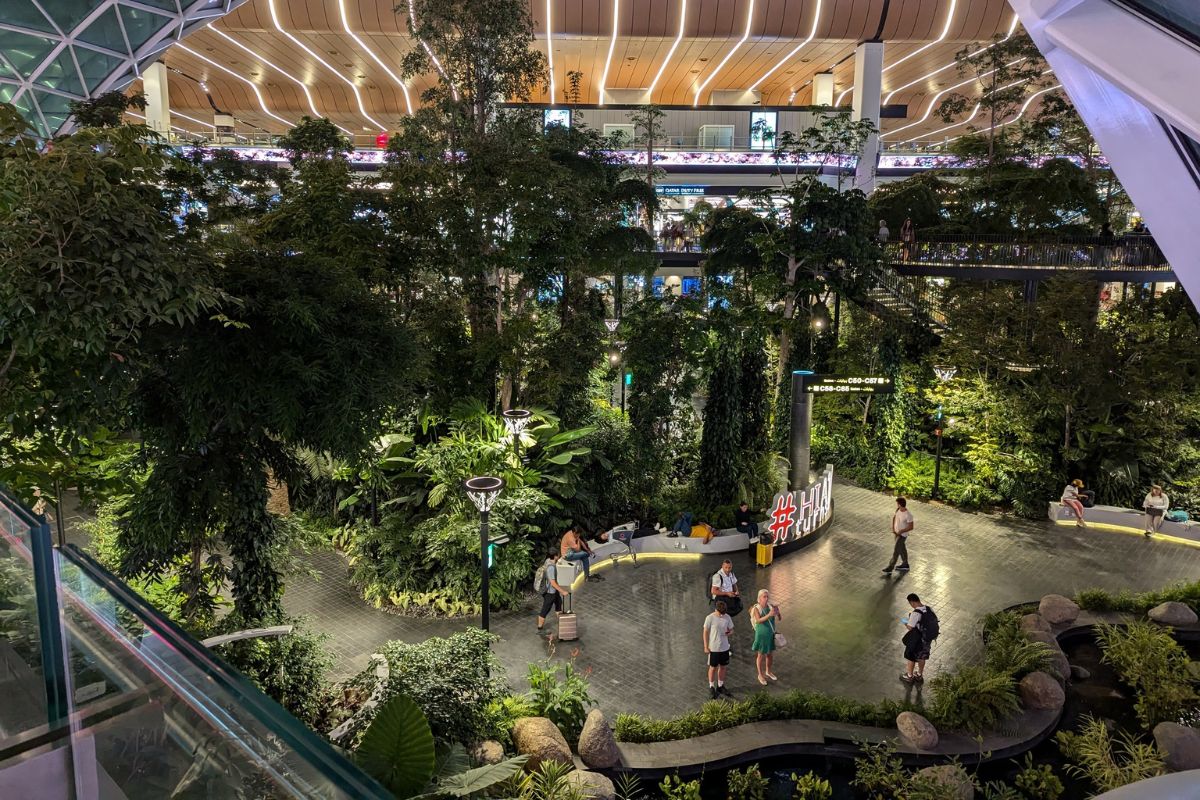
783,517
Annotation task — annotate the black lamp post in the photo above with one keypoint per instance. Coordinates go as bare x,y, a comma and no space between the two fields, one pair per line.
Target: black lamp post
516,420
943,374
614,357
483,492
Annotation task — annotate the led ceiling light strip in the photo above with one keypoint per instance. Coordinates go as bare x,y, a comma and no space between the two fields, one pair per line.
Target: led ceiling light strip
253,86
671,52
811,35
842,96
371,53
412,20
927,45
303,86
975,110
612,43
357,96
1020,113
1008,36
550,49
729,55
933,103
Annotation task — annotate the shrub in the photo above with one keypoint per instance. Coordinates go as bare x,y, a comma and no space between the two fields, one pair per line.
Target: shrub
673,788
504,712
453,680
565,702
879,774
1038,781
1124,600
1009,649
291,668
746,785
810,786
1152,662
972,698
1107,762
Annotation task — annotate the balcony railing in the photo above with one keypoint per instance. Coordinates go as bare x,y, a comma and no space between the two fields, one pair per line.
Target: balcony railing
102,696
1133,253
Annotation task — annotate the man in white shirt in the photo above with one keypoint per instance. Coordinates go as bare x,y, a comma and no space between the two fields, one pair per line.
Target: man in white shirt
725,587
902,525
717,627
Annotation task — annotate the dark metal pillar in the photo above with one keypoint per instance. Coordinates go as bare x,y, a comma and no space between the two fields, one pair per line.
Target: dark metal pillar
937,465
50,631
800,442
483,568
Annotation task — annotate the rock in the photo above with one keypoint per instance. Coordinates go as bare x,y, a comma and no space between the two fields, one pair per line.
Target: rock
1059,667
916,730
1180,745
597,745
1058,610
952,778
487,752
592,785
541,740
1041,692
1034,622
1078,673
1173,613
1045,637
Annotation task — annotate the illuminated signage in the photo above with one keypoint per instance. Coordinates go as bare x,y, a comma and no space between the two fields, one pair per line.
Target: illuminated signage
848,384
680,190
795,515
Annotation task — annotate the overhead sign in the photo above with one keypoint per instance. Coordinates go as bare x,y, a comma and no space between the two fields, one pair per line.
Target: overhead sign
847,384
795,515
680,190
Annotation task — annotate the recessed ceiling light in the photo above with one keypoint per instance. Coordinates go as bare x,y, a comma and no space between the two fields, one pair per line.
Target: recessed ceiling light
360,76
631,58
695,72
332,52
348,66
210,50
789,72
703,60
805,60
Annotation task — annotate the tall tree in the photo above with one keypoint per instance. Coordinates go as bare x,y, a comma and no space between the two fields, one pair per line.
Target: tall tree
723,414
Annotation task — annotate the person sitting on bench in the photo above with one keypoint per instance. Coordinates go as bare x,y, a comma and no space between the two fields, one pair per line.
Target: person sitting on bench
744,520
575,549
683,525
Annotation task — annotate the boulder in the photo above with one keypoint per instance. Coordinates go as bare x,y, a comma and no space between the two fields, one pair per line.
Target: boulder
597,745
1041,692
541,740
1059,667
487,752
1078,673
1180,745
1058,610
1045,637
952,778
1173,613
916,730
1034,622
592,785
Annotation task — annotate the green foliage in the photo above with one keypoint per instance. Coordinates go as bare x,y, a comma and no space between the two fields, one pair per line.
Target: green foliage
1038,781
879,774
106,110
397,748
720,443
504,712
549,782
1009,650
565,702
1106,761
311,138
1139,603
794,704
291,669
628,786
972,698
748,784
810,786
674,788
453,680
1149,659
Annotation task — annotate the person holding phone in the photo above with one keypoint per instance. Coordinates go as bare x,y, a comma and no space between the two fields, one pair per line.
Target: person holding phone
763,615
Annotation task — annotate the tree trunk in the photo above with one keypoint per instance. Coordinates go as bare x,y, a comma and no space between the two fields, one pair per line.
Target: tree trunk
789,310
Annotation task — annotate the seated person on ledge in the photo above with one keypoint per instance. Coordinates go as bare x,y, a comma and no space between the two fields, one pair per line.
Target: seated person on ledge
744,520
575,549
683,525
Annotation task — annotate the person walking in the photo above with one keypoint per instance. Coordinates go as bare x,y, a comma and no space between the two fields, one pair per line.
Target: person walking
1156,505
1070,499
884,233
921,628
573,548
908,238
763,615
547,585
717,627
725,588
902,525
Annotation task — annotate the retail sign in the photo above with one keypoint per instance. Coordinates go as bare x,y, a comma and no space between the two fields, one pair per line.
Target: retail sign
680,190
848,384
799,513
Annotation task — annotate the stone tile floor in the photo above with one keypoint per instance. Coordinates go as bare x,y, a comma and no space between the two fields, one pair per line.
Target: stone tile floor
640,628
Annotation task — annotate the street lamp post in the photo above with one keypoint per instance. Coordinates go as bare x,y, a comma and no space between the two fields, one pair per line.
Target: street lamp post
614,357
944,373
483,492
516,420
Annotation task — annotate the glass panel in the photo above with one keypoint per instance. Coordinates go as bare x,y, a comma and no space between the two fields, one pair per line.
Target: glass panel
165,5
24,50
140,26
7,90
95,66
5,72
61,74
24,104
55,108
21,681
1181,15
556,116
69,13
105,31
24,14
763,125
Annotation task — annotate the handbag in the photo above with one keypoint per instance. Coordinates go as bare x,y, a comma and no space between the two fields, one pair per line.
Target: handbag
780,641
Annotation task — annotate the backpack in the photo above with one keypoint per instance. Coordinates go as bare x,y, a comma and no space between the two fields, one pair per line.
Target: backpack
928,625
1177,515
540,582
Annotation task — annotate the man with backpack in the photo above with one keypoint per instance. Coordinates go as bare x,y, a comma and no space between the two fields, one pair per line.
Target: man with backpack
922,628
545,583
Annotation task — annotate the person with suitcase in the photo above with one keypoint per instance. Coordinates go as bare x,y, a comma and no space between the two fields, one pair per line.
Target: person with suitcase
545,582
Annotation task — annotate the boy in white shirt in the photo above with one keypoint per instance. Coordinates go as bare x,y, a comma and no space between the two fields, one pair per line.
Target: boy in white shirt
902,525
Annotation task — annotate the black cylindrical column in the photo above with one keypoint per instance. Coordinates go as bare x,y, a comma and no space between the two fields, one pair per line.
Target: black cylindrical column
801,433
484,572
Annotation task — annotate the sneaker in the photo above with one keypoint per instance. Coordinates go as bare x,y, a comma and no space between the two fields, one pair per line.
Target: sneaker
918,677
725,691
598,577
904,676
712,690
887,571
902,568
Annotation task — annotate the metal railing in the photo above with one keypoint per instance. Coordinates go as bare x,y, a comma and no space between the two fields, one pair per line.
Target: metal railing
921,300
1134,253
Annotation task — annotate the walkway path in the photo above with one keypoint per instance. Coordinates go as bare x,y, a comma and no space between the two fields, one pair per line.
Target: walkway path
640,629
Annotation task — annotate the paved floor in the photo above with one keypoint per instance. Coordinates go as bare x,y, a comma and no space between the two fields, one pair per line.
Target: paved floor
640,629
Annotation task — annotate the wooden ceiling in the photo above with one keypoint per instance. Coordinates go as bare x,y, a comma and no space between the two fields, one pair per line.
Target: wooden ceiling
332,55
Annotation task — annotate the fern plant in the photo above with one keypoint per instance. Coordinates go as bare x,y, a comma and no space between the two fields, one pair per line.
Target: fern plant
973,698
1106,761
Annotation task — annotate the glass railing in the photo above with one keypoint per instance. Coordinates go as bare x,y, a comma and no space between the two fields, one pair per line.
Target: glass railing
99,690
1181,16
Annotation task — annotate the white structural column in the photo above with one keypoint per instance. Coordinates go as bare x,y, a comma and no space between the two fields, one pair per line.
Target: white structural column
823,89
868,86
158,99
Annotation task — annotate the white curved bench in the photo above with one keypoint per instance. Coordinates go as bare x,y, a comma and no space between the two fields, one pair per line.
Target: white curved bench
1118,517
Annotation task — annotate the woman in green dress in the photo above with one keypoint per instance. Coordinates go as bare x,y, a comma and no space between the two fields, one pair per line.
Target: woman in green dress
763,615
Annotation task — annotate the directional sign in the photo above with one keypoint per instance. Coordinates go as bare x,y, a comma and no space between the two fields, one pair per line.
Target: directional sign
847,384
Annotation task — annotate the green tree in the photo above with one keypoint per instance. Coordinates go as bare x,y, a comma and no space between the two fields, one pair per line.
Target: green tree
314,138
106,110
720,440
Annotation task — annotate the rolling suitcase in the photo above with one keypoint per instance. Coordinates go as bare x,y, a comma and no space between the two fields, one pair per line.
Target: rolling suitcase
764,554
